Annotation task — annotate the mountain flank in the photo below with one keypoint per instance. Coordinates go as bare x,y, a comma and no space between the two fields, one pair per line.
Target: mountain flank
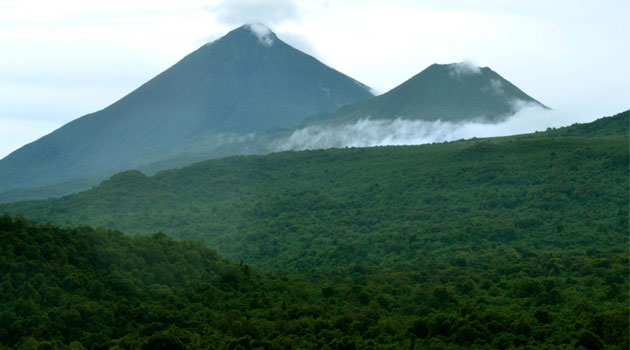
244,83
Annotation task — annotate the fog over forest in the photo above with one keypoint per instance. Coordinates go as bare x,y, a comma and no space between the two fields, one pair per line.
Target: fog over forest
370,131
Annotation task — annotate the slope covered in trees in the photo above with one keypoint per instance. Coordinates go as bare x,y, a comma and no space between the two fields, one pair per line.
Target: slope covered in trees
614,126
98,289
516,242
298,211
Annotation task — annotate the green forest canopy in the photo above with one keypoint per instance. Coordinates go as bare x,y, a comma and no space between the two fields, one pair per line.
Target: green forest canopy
99,289
517,242
384,206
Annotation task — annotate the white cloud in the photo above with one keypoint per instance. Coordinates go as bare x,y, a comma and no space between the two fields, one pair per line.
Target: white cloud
262,32
496,87
271,12
463,68
368,132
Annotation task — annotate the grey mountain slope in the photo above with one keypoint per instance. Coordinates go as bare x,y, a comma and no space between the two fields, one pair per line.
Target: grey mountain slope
223,92
449,92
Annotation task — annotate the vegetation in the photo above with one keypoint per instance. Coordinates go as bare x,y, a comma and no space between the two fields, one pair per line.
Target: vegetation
517,242
611,126
85,288
387,206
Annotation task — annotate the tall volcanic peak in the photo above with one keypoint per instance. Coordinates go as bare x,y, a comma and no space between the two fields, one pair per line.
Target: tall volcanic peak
242,84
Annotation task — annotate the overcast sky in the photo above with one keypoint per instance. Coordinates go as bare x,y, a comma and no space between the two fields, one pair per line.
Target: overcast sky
62,59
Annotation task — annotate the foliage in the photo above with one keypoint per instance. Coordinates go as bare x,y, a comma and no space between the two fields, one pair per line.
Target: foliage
385,206
518,242
609,126
99,289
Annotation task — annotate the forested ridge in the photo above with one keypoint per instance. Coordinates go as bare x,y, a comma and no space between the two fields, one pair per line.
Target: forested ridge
298,211
99,289
515,242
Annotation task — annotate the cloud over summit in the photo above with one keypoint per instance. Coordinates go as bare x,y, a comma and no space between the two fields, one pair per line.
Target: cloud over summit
464,68
271,12
262,32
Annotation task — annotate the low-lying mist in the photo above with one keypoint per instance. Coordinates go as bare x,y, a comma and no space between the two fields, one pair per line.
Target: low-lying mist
381,132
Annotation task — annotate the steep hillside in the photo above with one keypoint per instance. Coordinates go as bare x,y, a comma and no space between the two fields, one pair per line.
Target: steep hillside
246,82
448,92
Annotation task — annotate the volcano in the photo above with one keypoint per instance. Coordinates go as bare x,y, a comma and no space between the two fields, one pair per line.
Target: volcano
227,91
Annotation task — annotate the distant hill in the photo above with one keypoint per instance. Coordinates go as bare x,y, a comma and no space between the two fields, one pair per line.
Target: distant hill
448,92
259,208
225,92
617,125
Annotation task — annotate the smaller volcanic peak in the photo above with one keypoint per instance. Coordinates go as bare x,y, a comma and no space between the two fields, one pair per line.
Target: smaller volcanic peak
448,92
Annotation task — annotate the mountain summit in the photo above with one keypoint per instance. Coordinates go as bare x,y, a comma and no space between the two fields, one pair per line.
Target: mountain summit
246,82
448,92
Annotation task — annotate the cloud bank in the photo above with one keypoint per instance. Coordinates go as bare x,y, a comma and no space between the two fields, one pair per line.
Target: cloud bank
272,12
379,132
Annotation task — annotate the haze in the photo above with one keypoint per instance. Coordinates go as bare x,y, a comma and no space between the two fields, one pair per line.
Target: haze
62,60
